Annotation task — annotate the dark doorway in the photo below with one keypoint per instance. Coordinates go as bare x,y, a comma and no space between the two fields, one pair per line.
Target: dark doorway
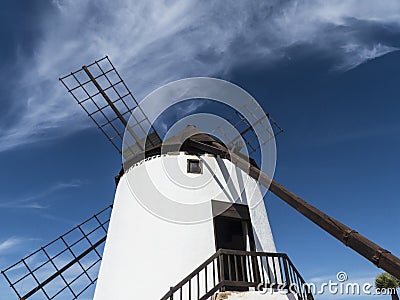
229,233
232,226
232,234
234,231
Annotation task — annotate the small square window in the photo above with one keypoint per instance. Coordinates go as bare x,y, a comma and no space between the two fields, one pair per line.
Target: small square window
194,166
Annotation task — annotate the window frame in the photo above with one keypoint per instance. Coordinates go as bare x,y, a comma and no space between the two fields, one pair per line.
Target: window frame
189,162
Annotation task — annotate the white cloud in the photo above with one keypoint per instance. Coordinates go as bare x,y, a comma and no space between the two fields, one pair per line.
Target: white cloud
359,54
154,42
9,244
34,201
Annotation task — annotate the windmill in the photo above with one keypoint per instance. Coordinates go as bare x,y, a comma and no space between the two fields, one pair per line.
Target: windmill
146,257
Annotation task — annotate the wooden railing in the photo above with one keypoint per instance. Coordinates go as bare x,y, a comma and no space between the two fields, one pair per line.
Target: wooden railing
234,270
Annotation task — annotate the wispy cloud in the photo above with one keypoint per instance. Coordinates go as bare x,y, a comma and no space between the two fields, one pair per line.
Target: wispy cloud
36,201
154,42
359,54
9,244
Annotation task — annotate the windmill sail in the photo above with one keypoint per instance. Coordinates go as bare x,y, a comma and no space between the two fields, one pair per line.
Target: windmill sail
65,268
103,95
246,130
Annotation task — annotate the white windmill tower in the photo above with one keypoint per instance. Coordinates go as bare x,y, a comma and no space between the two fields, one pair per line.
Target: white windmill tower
212,241
156,253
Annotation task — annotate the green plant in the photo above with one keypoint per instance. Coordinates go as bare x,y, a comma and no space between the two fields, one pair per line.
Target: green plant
387,281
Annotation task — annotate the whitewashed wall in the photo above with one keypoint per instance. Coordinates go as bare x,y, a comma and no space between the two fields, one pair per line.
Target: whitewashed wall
144,254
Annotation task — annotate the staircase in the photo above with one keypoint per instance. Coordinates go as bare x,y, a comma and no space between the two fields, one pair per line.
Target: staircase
234,270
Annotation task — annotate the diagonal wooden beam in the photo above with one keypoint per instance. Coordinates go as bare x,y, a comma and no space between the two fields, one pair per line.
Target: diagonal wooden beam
379,256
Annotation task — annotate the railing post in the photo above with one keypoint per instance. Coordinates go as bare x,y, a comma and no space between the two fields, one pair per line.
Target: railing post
171,296
221,269
256,270
286,270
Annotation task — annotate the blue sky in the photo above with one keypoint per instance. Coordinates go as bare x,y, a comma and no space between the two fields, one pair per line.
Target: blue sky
328,72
